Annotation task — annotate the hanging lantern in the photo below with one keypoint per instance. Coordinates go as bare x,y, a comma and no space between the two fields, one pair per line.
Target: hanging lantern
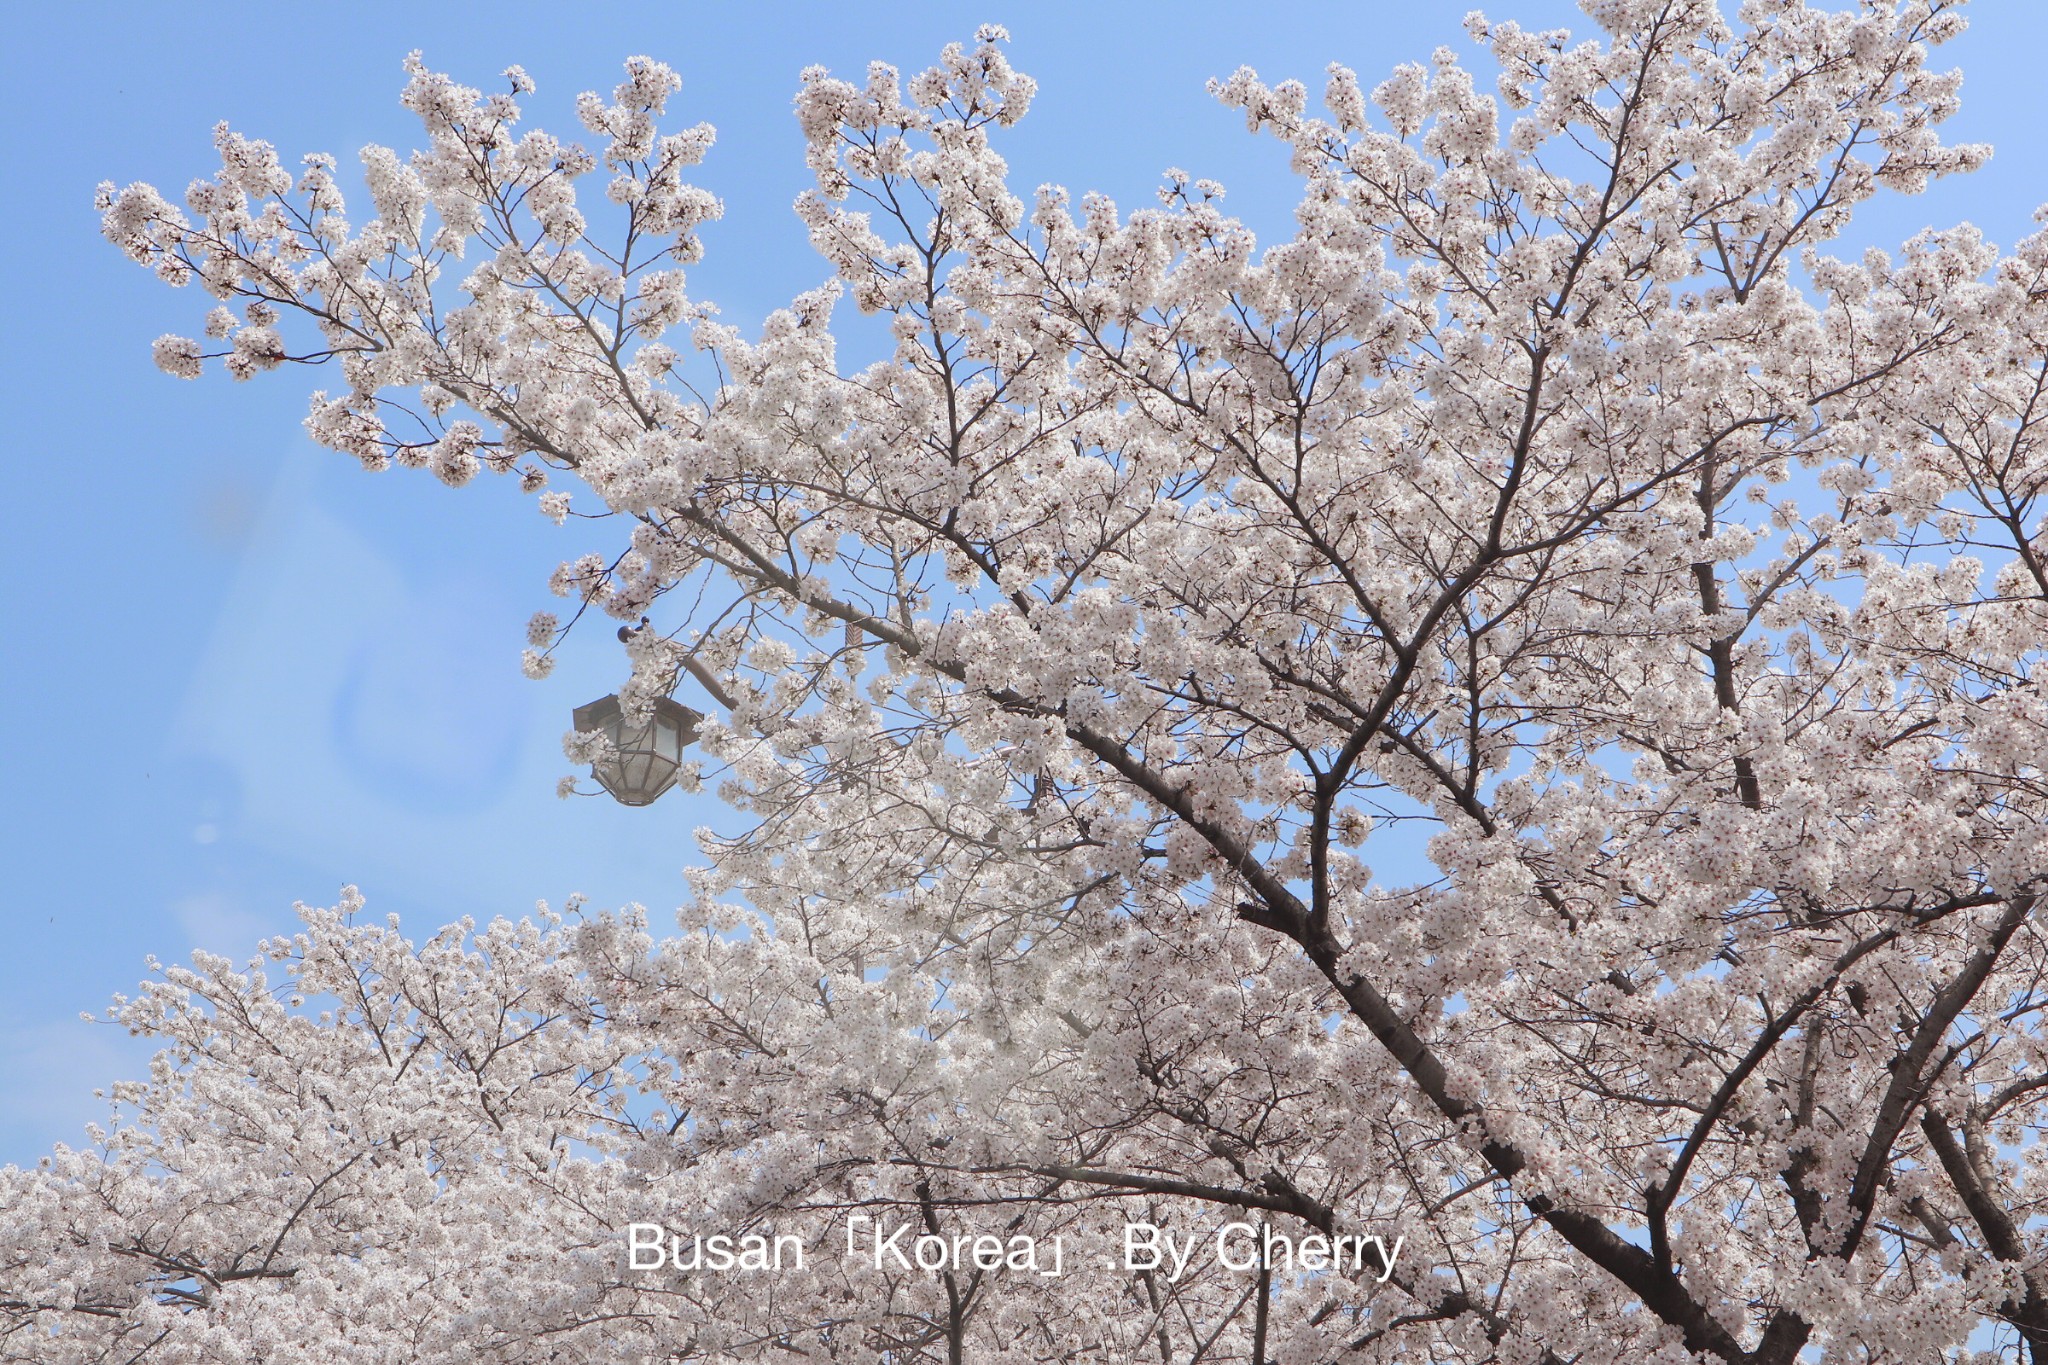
644,757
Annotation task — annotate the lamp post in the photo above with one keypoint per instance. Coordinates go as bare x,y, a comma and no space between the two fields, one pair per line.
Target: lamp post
644,758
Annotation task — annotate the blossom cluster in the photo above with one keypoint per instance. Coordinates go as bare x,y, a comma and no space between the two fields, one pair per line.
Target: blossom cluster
1657,598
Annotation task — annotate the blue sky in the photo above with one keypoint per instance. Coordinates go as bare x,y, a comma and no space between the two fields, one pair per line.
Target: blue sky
240,672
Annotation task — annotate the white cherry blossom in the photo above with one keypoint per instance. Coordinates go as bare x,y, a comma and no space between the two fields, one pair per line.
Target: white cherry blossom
1560,510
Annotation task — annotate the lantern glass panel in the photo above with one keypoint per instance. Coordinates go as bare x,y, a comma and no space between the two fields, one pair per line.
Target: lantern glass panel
646,756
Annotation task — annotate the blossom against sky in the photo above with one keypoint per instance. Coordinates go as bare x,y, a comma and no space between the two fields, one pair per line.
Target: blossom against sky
241,672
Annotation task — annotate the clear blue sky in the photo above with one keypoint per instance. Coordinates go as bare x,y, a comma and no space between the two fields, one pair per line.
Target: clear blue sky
239,672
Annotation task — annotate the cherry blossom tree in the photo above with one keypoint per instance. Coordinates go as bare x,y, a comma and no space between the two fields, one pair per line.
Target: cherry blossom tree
1550,503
